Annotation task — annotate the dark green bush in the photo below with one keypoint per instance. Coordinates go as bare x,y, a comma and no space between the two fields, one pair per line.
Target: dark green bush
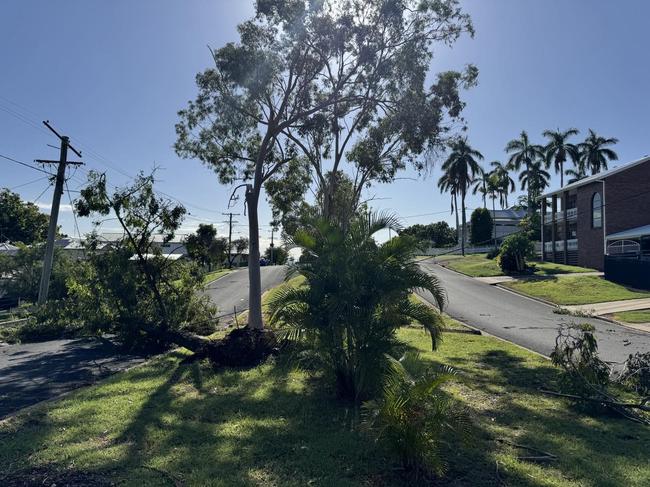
481,227
493,253
515,249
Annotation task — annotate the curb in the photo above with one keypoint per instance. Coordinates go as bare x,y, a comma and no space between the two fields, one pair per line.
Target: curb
220,277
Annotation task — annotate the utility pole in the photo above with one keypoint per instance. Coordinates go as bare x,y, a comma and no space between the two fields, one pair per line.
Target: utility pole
271,246
230,222
54,212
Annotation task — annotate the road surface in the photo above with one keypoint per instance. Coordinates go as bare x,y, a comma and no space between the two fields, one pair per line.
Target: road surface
33,372
231,290
525,321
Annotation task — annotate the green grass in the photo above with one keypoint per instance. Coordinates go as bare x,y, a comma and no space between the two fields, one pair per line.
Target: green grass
211,276
168,422
575,290
477,265
638,316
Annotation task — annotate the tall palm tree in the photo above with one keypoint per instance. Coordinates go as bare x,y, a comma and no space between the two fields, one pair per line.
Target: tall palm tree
534,179
481,183
447,184
558,148
595,154
522,154
494,190
505,183
462,166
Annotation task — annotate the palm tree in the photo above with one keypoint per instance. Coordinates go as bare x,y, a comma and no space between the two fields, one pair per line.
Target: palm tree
505,183
523,154
356,295
447,184
558,148
494,189
535,179
481,183
461,167
595,154
576,174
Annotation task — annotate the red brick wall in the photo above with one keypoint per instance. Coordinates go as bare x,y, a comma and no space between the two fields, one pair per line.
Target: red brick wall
590,240
627,205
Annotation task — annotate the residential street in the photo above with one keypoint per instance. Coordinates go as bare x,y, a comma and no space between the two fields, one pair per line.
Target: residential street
33,372
232,289
524,321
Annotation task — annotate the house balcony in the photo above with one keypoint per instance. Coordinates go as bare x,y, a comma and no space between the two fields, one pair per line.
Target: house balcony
571,245
572,213
559,216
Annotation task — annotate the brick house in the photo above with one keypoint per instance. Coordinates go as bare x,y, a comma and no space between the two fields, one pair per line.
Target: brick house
607,214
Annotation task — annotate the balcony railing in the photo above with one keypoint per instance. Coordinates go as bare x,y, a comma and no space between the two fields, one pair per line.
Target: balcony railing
572,244
572,213
559,245
548,217
559,216
548,246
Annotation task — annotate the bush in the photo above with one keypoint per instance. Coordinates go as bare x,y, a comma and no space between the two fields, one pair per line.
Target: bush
493,253
636,373
355,297
515,249
481,227
576,351
413,417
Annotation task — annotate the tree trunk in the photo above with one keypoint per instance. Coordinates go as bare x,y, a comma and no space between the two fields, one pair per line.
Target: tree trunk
254,276
457,224
494,225
462,242
561,174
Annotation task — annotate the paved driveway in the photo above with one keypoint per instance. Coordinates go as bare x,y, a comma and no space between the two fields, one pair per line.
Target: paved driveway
33,372
525,321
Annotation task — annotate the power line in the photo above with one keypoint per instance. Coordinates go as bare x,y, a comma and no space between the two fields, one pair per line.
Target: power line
28,183
26,165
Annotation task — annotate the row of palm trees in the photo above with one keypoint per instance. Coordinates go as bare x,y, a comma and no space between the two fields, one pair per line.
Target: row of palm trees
462,170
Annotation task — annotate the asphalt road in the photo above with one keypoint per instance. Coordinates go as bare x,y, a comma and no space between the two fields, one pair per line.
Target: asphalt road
33,372
231,290
525,321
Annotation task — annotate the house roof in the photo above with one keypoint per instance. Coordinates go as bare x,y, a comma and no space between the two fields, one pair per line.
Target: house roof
7,248
598,176
631,233
508,214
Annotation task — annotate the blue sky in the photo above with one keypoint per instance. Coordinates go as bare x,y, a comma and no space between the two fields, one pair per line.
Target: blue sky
112,76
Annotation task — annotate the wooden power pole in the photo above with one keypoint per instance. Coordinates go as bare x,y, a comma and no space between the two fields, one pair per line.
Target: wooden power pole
230,222
54,212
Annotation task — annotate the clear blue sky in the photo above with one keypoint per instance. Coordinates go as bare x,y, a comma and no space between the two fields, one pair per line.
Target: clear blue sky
112,76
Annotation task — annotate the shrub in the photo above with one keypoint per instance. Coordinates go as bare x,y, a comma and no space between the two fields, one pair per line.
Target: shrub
413,417
515,249
493,253
576,352
636,373
481,226
355,297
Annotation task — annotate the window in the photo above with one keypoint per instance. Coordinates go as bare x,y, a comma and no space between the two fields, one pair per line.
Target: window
596,211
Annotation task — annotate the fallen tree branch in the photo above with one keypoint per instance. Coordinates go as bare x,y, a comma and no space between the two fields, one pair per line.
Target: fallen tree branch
641,406
544,455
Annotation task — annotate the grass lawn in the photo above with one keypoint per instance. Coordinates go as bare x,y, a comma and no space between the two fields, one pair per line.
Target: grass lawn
211,276
575,290
477,265
168,423
638,316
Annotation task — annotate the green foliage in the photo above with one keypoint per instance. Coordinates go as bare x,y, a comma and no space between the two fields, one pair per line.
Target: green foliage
595,153
515,249
531,225
130,289
636,373
413,417
205,248
528,157
355,298
25,270
559,149
277,255
576,351
438,234
493,253
21,221
480,227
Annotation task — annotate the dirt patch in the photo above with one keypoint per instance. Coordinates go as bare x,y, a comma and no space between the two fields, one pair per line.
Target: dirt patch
50,476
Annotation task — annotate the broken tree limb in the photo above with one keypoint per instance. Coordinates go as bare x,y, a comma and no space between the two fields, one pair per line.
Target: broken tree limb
641,406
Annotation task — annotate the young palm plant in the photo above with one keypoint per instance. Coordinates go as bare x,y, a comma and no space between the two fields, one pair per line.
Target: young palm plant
534,179
481,183
504,182
413,417
356,295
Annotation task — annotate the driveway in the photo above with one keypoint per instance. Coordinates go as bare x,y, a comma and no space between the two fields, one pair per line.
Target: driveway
525,321
33,372
231,290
